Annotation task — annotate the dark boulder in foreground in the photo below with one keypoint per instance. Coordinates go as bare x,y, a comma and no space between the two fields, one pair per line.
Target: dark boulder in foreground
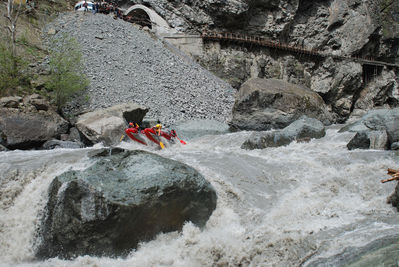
303,129
124,198
265,104
378,129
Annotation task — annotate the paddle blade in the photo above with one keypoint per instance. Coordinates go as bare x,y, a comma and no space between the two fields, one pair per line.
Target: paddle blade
181,141
162,145
123,136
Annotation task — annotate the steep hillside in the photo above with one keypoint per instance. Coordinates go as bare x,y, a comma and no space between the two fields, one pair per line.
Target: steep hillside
29,44
125,64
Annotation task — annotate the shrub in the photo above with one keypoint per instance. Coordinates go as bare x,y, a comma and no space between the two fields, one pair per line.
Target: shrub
11,71
66,70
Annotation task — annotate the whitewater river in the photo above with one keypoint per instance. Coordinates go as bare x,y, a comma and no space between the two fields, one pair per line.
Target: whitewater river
306,204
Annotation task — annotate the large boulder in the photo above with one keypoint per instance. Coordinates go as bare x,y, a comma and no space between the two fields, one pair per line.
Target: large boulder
124,198
303,129
264,104
28,124
107,125
378,129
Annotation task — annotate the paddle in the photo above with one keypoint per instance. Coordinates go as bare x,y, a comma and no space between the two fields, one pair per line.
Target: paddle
162,145
123,136
181,141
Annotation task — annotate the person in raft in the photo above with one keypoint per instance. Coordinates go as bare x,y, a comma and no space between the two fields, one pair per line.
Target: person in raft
154,130
134,126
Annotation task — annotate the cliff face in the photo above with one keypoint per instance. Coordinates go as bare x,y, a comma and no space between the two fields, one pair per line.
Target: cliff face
355,28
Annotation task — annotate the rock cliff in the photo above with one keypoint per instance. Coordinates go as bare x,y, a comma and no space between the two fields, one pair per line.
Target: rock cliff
355,28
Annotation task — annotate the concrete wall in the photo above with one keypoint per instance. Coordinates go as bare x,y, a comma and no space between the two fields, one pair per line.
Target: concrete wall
191,45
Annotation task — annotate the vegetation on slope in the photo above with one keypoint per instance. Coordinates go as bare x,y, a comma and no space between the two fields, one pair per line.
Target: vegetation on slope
21,69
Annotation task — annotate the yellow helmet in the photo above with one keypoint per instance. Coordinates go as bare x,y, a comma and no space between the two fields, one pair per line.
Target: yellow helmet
158,126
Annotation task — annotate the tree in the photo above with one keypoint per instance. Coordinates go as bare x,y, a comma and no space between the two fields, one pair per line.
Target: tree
13,12
66,70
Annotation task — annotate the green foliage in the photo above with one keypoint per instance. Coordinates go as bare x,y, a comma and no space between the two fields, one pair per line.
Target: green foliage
66,70
12,71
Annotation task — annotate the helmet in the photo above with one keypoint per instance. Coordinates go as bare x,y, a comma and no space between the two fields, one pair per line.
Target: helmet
131,124
158,126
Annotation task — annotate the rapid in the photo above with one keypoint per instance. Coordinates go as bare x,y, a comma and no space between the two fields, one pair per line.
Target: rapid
305,204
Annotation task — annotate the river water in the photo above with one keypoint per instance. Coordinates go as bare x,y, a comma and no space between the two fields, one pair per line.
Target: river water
306,204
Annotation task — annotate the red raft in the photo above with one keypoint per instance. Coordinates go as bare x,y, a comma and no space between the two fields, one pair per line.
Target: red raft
150,134
135,135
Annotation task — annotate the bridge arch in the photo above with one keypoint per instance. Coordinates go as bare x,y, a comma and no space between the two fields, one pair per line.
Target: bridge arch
148,17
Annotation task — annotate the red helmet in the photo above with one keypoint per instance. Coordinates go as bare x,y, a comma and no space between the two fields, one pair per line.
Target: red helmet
131,124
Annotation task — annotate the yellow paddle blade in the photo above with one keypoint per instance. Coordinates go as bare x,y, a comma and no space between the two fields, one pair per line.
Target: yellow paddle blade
121,138
162,145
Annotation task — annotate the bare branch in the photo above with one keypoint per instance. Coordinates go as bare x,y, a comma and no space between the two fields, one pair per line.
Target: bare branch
18,11
8,28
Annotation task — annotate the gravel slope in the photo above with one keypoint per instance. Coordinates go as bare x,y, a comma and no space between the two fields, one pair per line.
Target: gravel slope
125,64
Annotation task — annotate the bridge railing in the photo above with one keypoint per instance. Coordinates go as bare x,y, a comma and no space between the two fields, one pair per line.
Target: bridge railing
260,41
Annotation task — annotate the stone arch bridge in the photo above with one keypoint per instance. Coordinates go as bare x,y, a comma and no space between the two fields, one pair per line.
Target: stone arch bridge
145,16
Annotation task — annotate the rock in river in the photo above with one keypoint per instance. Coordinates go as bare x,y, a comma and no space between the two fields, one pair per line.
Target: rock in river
265,104
124,198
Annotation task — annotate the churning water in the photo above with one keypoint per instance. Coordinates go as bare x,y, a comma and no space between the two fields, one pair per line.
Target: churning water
306,204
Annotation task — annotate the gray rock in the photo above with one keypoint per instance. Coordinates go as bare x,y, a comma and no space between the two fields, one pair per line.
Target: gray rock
75,135
395,146
369,140
380,126
379,92
30,129
360,140
107,125
302,130
124,198
10,102
52,144
3,148
266,104
37,101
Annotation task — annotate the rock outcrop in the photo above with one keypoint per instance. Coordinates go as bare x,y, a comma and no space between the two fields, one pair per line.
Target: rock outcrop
274,104
367,29
303,129
378,129
124,198
28,123
107,125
